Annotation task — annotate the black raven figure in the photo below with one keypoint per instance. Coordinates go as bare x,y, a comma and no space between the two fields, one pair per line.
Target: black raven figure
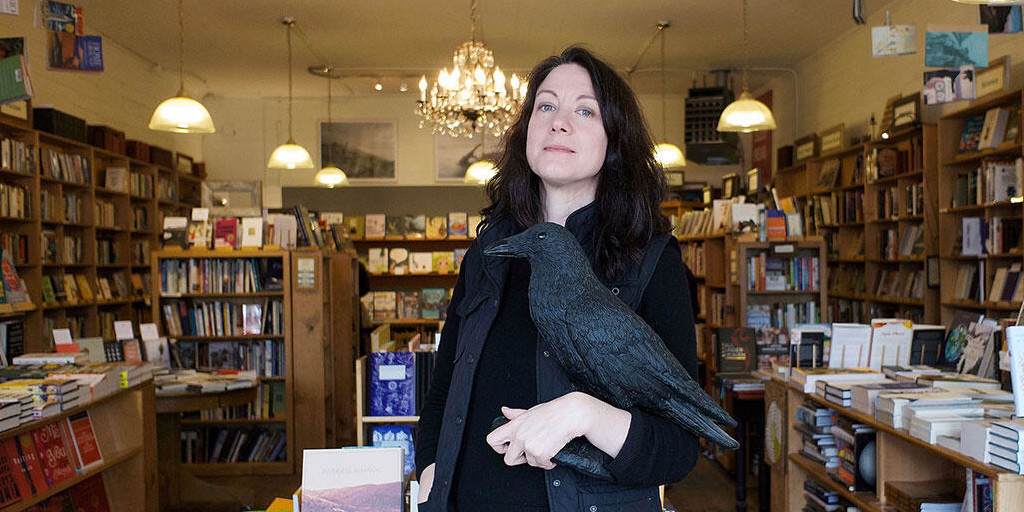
605,348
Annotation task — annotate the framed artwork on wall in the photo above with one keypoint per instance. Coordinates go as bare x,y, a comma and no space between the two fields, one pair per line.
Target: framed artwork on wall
365,150
454,155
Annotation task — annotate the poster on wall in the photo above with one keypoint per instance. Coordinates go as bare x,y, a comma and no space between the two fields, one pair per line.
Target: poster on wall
70,52
761,146
365,150
949,85
455,155
1003,19
955,46
893,40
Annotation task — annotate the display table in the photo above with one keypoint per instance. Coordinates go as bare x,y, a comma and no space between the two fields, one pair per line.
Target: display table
179,489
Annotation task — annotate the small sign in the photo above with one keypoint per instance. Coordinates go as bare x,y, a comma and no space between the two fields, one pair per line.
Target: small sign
806,147
994,78
784,249
123,330
306,269
62,337
832,139
148,331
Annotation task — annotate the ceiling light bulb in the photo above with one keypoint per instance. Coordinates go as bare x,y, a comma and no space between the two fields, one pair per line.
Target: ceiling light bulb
181,114
481,172
669,155
331,177
404,87
378,86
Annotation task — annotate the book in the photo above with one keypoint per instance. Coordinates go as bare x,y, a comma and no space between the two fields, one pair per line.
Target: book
385,305
437,227
15,82
375,225
175,232
1015,346
432,302
417,227
736,349
84,290
809,345
377,260
994,128
352,479
398,261
397,436
970,134
225,232
90,495
199,233
252,232
891,341
55,457
458,225
443,262
421,262
408,304
83,439
14,485
392,378
473,225
356,226
14,291
926,344
396,227
807,378
850,345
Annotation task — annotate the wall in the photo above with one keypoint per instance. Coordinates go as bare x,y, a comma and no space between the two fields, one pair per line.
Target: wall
843,83
123,96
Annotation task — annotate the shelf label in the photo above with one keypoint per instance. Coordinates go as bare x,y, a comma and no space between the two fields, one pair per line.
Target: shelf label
306,270
784,249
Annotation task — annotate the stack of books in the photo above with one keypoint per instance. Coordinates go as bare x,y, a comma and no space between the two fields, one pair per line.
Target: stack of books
1004,445
891,408
807,378
815,426
851,440
924,496
863,395
841,392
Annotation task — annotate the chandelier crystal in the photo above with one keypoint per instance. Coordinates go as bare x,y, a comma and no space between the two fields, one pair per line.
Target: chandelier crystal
473,97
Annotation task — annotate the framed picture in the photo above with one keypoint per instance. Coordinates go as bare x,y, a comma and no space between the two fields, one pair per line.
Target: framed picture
993,78
709,194
454,155
805,147
730,186
183,164
832,138
675,178
233,198
365,150
887,114
752,184
906,111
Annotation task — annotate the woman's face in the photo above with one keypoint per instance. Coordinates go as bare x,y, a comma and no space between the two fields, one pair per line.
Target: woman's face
565,140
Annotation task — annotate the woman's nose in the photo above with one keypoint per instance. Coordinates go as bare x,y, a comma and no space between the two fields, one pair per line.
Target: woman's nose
559,123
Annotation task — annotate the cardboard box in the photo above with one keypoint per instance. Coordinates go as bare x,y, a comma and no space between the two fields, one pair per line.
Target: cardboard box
62,124
107,138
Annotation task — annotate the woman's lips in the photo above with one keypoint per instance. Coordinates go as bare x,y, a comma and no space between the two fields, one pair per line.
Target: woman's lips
559,149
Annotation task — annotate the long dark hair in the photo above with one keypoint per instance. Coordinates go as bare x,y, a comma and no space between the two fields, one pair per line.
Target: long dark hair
630,183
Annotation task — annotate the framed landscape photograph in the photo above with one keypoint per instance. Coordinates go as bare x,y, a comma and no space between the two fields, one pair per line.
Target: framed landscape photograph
365,150
454,155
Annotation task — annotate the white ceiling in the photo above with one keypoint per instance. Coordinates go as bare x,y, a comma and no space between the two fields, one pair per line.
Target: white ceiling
238,47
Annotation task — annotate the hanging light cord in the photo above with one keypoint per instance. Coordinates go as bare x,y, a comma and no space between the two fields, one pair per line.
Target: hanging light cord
661,28
181,48
746,46
330,159
472,20
290,24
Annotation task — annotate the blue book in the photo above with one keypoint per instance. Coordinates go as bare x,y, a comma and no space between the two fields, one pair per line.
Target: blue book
392,384
397,436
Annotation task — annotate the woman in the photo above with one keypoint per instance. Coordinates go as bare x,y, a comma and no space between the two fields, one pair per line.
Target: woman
579,155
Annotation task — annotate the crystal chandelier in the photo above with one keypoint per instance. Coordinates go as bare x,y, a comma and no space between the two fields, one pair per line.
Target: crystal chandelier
472,98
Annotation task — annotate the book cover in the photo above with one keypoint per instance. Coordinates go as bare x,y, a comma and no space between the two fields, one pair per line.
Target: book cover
458,226
375,225
970,134
926,344
397,436
736,349
49,295
994,128
54,454
421,262
460,254
352,479
398,261
14,288
432,299
225,232
199,233
850,345
14,484
776,224
132,352
83,439
84,290
384,305
70,288
408,304
396,227
443,262
30,460
437,227
90,495
891,341
356,226
377,260
252,318
772,347
175,232
392,378
417,227
158,353
252,232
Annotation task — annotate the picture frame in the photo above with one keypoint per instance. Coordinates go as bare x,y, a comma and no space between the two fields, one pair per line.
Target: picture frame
730,186
365,150
452,156
907,111
709,194
887,114
233,198
833,138
994,78
183,164
752,180
675,178
805,148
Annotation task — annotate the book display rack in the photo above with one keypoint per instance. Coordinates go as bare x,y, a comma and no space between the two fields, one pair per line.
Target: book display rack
981,215
79,222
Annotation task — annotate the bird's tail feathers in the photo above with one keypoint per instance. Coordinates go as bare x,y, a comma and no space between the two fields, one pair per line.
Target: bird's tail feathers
685,415
705,404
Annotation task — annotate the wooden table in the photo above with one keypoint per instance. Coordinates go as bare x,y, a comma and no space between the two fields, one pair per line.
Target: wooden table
177,485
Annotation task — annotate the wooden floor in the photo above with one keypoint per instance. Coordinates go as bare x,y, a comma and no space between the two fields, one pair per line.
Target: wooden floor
708,488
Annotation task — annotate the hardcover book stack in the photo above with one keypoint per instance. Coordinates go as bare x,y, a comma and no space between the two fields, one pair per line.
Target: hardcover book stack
926,496
815,427
1006,445
851,441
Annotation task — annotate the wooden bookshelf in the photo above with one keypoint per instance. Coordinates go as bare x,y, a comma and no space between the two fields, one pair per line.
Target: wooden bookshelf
124,424
959,169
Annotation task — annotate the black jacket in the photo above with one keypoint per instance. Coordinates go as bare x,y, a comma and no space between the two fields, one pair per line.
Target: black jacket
472,311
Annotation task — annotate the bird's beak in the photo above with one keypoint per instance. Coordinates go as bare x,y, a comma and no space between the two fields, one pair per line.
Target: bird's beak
503,248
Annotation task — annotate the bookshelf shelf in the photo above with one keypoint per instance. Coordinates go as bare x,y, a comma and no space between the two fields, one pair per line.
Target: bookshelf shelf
865,501
169,296
1004,149
239,468
239,337
238,421
916,173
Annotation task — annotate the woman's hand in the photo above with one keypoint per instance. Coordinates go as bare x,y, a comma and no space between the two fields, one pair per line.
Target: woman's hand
426,482
534,436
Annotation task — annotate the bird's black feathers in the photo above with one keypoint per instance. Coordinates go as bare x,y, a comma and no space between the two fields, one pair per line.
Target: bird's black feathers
605,348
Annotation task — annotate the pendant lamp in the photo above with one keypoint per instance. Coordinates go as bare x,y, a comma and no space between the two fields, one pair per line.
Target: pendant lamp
290,155
330,176
181,114
746,114
666,153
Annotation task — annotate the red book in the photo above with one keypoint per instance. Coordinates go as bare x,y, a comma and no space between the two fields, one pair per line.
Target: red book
131,350
13,484
225,232
90,495
87,449
30,460
53,453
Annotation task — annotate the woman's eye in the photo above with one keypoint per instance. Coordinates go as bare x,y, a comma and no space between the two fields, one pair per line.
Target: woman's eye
586,112
546,108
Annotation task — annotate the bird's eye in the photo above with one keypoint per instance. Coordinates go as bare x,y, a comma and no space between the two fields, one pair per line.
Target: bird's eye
542,235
